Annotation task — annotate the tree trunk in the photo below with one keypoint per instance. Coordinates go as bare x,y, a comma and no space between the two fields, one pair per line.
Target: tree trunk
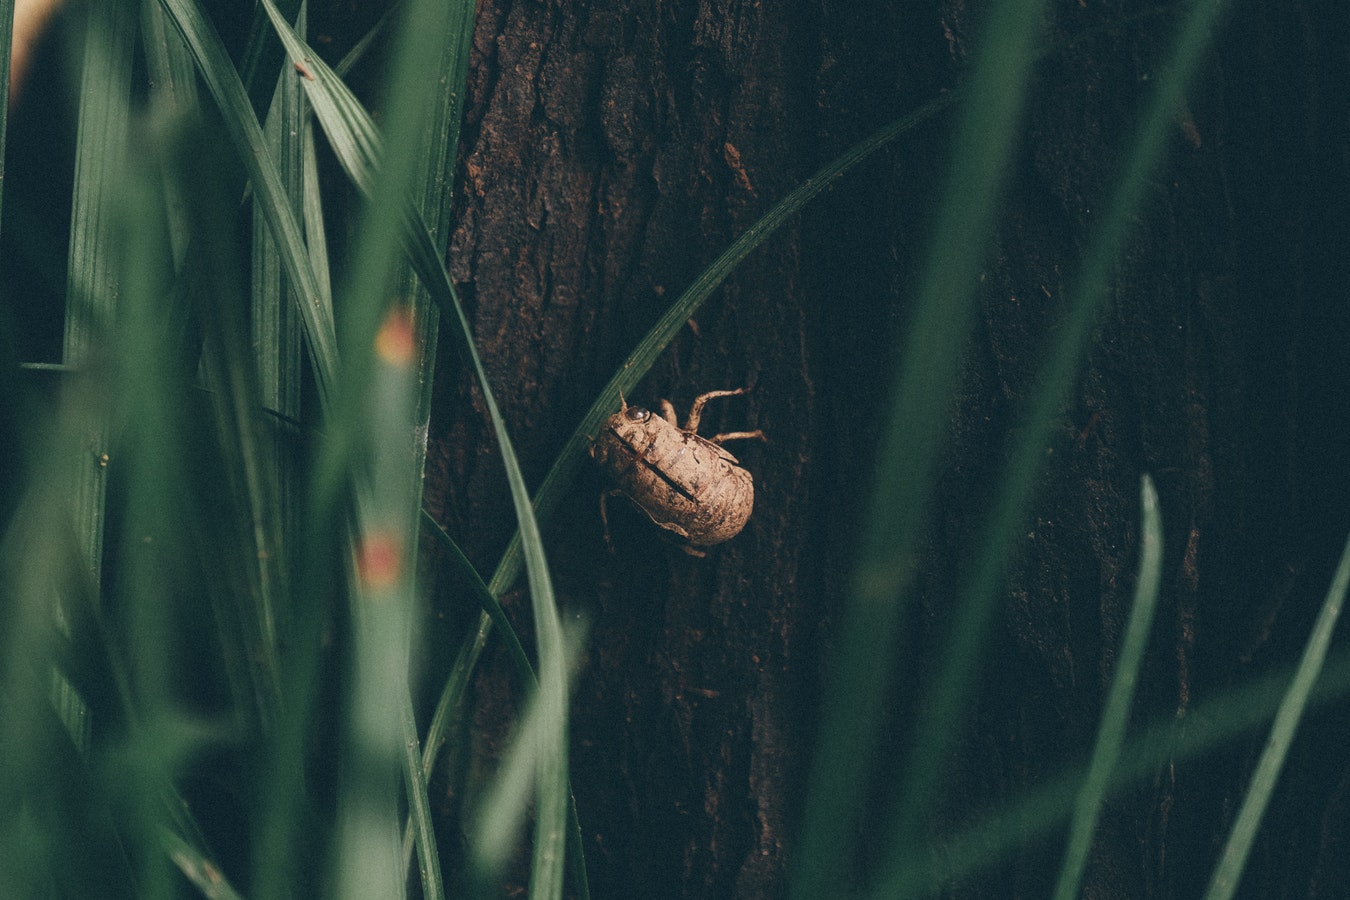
612,149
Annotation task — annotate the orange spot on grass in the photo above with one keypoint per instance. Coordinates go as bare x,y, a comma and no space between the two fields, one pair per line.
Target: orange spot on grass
379,562
394,344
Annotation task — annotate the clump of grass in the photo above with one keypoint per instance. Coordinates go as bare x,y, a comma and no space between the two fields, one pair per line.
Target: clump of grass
163,651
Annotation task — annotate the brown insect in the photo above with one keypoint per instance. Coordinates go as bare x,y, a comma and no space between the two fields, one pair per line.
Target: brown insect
688,485
301,69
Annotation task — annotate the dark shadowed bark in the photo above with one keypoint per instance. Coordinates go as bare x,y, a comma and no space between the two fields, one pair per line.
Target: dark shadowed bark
612,149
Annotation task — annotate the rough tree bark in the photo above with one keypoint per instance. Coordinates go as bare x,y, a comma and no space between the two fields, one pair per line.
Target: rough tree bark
613,148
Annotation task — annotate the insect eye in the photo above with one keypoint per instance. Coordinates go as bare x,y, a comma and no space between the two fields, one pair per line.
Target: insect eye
637,414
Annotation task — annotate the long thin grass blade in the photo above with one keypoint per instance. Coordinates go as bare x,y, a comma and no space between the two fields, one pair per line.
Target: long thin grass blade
1228,873
431,188
960,661
531,758
368,853
998,836
571,458
1116,714
911,443
173,99
493,611
419,807
6,46
277,358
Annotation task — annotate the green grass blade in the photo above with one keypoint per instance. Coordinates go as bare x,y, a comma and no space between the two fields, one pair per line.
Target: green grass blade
494,614
1116,714
960,661
432,189
6,45
247,583
419,806
312,212
277,350
487,602
262,55
367,853
1228,872
999,836
198,868
531,758
911,443
173,98
242,127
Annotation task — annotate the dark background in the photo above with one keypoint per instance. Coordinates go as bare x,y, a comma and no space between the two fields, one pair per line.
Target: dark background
612,149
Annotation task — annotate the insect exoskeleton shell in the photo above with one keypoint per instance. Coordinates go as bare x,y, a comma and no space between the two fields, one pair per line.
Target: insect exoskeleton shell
689,486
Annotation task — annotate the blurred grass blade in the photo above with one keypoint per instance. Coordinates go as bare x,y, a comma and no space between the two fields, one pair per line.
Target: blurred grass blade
911,443
945,709
367,854
532,756
1116,714
247,138
459,674
1228,873
431,187
6,46
198,868
1008,830
245,556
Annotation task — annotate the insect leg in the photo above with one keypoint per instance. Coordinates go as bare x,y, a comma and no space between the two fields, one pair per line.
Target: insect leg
739,436
604,516
696,411
668,413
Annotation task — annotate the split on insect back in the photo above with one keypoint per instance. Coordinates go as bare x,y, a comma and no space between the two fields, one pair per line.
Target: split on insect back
689,485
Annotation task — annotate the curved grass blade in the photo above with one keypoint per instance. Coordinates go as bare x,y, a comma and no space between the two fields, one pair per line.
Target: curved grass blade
1116,714
570,459
1003,833
945,709
494,614
1228,873
911,443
